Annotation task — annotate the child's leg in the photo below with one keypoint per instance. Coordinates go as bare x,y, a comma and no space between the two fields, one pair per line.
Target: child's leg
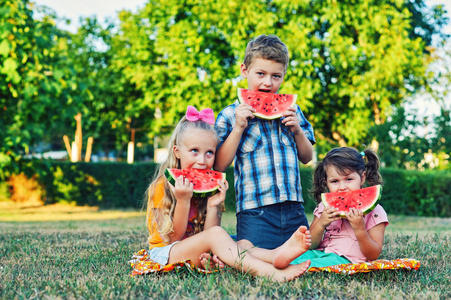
218,241
281,257
296,245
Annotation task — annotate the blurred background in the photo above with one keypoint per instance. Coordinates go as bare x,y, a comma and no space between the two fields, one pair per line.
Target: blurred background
91,89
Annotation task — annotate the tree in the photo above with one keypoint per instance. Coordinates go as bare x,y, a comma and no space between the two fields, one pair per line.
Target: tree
441,141
34,90
351,61
404,139
103,94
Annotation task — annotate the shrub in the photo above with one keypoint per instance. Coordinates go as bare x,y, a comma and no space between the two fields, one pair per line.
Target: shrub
23,189
119,185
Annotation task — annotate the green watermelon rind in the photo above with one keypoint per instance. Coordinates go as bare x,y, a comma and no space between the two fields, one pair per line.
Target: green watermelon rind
366,211
196,193
261,116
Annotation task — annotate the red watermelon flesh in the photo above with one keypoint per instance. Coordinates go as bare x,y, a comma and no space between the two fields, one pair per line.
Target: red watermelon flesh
205,182
364,199
267,105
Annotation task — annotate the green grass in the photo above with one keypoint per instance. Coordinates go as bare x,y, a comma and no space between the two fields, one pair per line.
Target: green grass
81,257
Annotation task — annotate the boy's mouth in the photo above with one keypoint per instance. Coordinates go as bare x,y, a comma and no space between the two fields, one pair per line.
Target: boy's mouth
264,91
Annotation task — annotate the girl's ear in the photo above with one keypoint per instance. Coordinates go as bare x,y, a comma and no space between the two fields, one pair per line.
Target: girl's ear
175,149
363,178
243,69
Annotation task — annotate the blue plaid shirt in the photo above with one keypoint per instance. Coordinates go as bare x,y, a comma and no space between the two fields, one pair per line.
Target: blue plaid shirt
266,161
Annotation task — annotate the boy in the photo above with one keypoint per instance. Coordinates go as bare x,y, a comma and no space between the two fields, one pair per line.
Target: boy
266,152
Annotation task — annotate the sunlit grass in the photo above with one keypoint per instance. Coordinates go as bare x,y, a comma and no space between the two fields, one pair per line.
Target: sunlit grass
85,257
10,212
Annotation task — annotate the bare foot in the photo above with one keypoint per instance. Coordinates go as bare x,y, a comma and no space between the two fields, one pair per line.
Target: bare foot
296,245
291,272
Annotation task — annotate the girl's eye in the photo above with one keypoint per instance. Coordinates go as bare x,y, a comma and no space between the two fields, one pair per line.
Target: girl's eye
194,150
210,153
333,181
260,73
277,76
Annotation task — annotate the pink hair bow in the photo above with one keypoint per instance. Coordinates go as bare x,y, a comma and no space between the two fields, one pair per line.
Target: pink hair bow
207,115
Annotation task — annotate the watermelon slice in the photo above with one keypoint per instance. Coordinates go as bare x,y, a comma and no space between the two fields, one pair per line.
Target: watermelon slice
364,199
205,182
267,105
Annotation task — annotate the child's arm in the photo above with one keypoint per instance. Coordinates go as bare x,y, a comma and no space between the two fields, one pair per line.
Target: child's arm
214,207
370,241
318,225
226,152
183,192
303,145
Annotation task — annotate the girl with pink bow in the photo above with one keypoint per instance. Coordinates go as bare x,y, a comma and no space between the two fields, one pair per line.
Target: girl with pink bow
183,227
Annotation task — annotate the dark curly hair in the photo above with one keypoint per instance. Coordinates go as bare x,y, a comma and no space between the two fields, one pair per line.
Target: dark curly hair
346,160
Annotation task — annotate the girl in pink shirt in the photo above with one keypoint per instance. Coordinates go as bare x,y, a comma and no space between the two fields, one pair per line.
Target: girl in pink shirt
356,238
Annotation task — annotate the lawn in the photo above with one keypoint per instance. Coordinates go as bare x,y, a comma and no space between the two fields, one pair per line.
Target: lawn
83,253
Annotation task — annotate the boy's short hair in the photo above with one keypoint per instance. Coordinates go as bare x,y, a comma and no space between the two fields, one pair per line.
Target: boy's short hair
267,47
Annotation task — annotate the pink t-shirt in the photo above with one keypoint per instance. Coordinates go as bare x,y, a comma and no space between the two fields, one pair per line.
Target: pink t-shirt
339,237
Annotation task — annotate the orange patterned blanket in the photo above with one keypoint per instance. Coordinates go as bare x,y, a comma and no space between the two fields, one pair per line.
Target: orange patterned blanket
141,265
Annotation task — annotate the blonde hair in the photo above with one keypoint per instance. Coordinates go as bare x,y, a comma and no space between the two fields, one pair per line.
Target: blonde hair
268,47
159,220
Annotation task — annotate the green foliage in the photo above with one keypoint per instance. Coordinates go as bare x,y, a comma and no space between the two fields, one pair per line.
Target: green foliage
441,140
108,185
101,184
34,91
350,61
409,141
4,192
416,193
114,185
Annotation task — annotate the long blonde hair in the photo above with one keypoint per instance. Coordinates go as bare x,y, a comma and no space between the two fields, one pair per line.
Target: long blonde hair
161,218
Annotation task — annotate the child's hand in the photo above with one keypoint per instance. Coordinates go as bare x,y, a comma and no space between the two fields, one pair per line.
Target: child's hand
242,113
211,262
218,198
291,120
183,190
355,218
329,215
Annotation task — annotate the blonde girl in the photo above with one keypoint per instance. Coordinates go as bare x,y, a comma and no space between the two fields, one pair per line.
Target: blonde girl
183,227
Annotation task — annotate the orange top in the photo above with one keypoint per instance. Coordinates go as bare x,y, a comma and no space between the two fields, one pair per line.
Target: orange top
157,240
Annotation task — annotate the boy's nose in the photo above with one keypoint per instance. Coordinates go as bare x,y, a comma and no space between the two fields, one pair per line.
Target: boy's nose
267,81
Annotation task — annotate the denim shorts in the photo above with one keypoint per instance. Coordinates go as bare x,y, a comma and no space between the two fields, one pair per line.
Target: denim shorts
272,225
160,254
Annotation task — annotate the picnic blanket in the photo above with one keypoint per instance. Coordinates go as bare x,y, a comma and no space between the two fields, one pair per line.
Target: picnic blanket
369,266
141,265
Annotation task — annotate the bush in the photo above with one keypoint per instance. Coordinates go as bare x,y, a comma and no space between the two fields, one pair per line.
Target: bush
120,185
24,189
416,193
5,195
105,184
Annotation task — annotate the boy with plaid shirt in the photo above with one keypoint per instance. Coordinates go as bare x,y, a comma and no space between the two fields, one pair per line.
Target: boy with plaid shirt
266,152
